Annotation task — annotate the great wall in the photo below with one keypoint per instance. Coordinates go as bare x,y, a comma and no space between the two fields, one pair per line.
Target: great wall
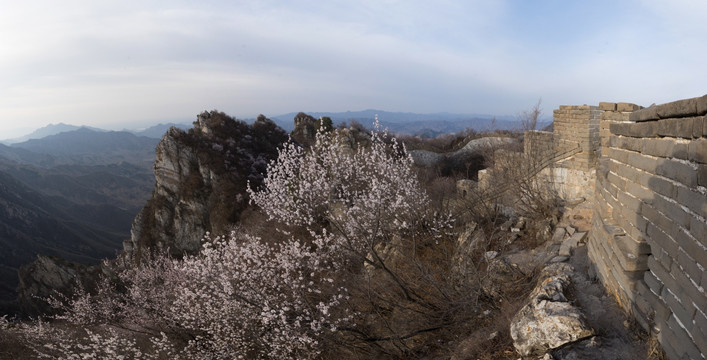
645,170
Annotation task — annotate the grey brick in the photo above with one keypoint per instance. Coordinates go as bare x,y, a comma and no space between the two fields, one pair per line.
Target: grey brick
682,341
662,239
698,150
690,266
607,106
646,114
693,200
678,171
646,129
697,127
701,105
652,281
680,108
676,127
672,210
661,186
642,162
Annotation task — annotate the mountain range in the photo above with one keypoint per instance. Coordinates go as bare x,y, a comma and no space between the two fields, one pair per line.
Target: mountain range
73,194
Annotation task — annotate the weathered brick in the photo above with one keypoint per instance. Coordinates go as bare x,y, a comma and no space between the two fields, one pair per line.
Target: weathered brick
621,129
647,114
678,171
673,298
664,147
701,105
607,106
698,229
653,283
643,162
693,200
646,129
676,127
697,126
683,342
640,192
690,266
691,245
630,203
697,150
672,210
627,107
661,186
699,331
630,261
662,239
691,297
680,108
634,245
655,217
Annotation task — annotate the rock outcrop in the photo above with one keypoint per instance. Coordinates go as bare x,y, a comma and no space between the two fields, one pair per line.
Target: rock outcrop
200,180
549,321
49,276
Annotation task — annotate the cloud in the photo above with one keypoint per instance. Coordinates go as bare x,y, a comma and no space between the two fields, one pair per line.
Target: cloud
142,60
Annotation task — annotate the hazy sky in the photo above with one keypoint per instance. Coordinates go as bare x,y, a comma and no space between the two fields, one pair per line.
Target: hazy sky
115,63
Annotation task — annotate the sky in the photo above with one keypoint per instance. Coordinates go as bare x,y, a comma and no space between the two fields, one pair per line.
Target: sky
118,64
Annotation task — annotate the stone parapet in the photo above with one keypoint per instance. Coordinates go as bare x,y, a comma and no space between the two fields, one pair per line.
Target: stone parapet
649,235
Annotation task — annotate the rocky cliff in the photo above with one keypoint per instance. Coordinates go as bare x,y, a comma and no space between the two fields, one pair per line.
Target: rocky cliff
201,176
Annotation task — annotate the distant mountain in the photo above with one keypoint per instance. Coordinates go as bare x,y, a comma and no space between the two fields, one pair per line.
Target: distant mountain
157,131
51,129
32,223
412,123
85,146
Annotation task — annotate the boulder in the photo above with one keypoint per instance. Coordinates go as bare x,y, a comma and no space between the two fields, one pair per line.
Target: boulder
549,321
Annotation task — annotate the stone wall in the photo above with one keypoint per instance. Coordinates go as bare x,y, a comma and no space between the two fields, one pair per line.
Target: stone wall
649,236
577,125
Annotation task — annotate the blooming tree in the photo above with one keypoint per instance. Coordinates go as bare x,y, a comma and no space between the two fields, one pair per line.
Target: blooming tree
352,274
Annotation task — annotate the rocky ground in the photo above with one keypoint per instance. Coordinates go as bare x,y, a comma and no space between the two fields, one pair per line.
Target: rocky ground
569,315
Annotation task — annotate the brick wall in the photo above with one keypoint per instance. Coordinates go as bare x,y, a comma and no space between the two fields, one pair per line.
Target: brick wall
649,235
577,125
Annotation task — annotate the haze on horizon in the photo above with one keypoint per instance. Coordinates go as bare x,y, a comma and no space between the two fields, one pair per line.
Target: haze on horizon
119,64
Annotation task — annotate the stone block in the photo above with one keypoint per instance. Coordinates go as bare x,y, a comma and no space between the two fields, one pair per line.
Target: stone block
660,238
690,266
690,295
676,109
702,175
692,246
664,147
642,162
652,282
676,127
629,260
620,129
698,229
673,210
630,203
661,186
627,107
640,192
646,129
697,150
607,106
682,342
678,171
647,114
701,104
694,201
698,126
